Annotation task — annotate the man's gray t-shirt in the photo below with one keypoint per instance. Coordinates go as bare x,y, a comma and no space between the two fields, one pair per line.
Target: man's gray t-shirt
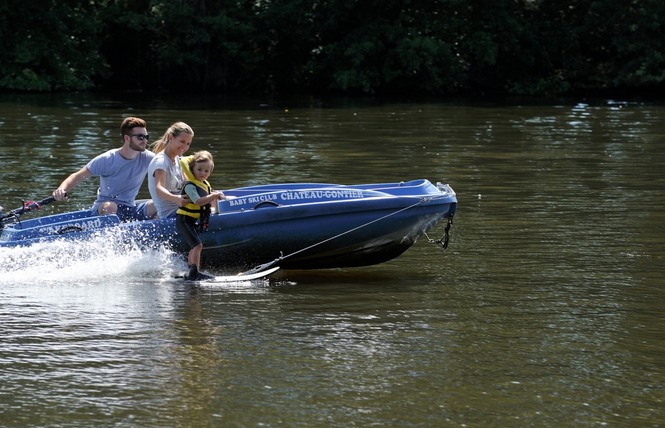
120,179
174,183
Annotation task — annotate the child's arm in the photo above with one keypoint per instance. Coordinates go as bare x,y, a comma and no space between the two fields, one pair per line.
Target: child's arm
211,199
215,202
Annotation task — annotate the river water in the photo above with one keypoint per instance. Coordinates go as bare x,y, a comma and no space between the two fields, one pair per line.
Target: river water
546,309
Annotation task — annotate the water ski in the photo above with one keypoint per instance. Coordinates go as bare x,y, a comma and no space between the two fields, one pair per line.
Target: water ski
239,277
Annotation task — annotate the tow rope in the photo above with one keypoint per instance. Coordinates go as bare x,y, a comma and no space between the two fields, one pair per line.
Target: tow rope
446,234
267,265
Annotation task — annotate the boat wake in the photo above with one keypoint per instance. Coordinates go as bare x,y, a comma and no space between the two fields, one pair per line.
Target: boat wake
102,258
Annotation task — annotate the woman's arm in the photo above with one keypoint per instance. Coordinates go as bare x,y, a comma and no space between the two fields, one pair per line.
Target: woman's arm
163,192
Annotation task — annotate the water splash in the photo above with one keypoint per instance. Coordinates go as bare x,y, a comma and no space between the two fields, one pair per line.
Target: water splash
106,256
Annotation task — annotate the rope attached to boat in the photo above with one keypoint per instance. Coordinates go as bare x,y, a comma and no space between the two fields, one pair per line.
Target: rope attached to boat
446,234
268,265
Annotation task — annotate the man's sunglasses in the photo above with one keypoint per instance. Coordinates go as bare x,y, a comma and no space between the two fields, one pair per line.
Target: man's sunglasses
141,137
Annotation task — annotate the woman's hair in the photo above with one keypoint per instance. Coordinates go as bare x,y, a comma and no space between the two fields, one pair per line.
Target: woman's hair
201,156
129,123
176,129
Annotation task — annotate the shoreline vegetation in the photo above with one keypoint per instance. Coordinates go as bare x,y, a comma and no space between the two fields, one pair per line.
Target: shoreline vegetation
442,49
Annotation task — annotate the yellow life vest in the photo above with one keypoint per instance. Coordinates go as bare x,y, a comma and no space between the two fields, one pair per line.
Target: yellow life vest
202,187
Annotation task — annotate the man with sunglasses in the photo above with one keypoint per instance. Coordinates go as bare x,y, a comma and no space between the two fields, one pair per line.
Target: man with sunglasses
121,173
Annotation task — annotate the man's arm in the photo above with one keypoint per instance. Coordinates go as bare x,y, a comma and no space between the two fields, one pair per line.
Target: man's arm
70,182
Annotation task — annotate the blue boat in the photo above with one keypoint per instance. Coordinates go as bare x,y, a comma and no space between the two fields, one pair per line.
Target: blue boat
293,225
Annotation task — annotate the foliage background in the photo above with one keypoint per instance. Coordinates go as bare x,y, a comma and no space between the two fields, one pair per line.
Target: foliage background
350,47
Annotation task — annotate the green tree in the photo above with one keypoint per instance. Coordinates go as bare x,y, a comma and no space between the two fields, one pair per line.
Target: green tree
626,41
598,44
49,45
385,47
127,46
182,45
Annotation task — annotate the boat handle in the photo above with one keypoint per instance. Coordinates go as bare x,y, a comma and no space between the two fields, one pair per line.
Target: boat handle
266,203
68,229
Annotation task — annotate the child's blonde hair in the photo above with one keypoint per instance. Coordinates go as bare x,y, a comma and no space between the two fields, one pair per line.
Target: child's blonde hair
201,156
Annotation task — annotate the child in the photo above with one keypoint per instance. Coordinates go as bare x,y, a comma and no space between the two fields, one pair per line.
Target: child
197,168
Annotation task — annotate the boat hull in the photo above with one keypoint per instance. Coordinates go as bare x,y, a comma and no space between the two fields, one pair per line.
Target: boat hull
297,226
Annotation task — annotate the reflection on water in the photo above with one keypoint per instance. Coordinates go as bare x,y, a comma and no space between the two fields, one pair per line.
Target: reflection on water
546,310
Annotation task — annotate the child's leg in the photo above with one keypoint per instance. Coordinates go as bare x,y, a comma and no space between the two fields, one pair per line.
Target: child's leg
194,257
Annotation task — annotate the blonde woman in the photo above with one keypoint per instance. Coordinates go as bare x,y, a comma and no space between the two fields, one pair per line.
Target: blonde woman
165,176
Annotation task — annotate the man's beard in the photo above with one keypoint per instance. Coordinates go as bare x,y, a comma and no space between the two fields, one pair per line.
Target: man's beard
136,147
